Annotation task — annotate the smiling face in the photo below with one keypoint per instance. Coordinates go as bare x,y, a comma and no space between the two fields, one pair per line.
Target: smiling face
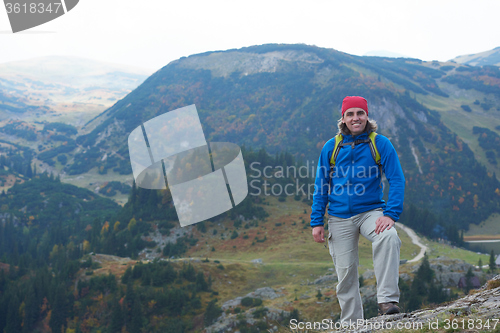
355,120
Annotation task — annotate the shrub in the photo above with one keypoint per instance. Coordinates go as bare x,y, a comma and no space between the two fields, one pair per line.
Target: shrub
466,108
260,312
247,301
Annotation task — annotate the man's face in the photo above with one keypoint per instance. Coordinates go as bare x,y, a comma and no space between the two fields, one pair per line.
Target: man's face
355,119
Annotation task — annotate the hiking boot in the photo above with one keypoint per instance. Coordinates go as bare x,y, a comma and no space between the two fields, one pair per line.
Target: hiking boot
388,308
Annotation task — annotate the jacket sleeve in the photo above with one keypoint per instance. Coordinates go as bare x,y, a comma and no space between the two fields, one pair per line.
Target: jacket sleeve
394,174
321,186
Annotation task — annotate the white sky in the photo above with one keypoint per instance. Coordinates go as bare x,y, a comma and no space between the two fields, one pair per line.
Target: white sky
151,33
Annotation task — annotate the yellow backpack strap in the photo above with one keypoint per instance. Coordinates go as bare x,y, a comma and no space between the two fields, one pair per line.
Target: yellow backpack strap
373,147
336,149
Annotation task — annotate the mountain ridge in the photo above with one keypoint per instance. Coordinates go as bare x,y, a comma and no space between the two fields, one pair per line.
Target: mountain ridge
490,57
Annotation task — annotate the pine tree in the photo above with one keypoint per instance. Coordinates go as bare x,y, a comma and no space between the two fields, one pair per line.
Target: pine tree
117,318
127,275
59,309
468,280
201,283
493,265
480,264
13,322
31,310
137,319
29,171
212,313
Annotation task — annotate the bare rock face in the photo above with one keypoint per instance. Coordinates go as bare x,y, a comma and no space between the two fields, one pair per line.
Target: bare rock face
368,293
481,308
225,63
232,303
261,293
369,274
449,271
228,322
404,277
264,293
326,279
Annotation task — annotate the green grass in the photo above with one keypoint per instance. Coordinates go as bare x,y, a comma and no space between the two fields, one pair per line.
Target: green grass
84,181
287,244
461,122
491,226
440,250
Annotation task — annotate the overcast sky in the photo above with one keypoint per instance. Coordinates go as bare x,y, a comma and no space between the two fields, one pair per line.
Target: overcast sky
151,33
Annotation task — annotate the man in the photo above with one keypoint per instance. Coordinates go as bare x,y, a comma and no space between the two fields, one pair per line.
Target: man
353,190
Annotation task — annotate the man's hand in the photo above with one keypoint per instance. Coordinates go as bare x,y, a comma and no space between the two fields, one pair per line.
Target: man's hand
383,222
319,234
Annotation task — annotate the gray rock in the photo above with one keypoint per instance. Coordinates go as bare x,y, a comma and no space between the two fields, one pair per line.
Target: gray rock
231,303
326,278
448,271
478,307
264,293
256,261
227,323
404,277
368,293
368,274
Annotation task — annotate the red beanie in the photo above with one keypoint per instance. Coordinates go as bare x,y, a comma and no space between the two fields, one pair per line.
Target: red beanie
354,102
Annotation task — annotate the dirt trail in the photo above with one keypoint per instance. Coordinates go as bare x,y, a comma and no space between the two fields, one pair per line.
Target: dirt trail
415,240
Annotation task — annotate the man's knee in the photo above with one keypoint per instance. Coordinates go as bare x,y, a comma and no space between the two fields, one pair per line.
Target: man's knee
390,236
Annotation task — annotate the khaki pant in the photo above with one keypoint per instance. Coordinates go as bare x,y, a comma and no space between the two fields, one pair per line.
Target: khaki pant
343,243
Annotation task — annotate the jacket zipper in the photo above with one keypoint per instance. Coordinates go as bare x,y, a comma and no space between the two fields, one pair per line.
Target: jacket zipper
350,179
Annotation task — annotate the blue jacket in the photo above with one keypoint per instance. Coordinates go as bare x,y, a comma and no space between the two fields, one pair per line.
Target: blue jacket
355,182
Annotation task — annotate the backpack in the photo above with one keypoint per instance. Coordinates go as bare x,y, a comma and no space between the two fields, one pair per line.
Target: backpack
370,141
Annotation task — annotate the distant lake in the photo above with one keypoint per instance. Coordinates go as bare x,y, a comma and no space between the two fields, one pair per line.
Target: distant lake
485,246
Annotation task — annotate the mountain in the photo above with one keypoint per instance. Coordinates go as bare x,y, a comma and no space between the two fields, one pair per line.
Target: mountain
288,97
487,58
61,85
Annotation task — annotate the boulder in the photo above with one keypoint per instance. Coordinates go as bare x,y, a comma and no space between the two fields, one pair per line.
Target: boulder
264,293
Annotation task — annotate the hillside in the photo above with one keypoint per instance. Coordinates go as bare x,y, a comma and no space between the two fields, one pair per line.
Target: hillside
287,97
487,58
477,311
77,260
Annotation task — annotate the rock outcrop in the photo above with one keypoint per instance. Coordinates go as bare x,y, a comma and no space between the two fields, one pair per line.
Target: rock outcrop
228,322
478,311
